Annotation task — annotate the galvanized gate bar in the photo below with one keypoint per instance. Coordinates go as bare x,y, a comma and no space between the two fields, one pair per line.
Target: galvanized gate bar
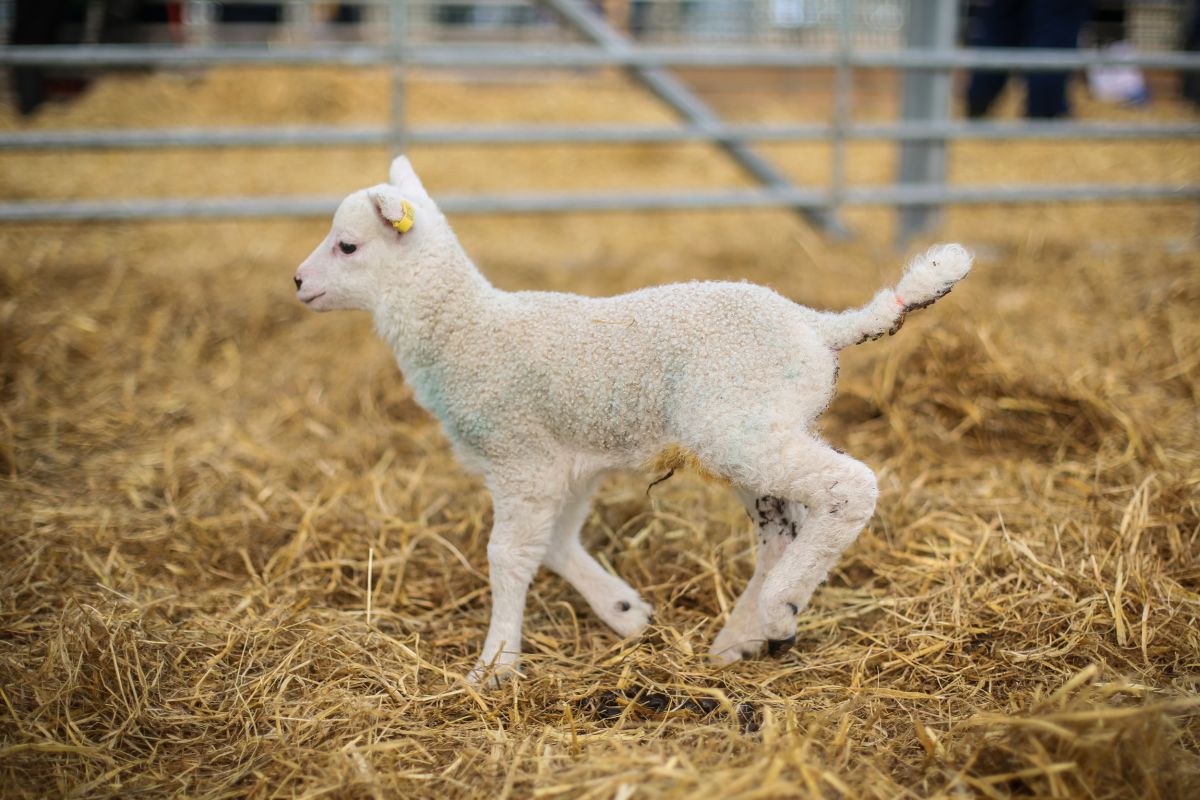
924,96
169,208
1026,129
534,56
120,138
843,88
1031,60
1002,194
674,93
120,55
398,33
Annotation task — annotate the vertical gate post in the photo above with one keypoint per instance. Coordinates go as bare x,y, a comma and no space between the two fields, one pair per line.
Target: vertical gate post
397,39
925,97
300,21
843,87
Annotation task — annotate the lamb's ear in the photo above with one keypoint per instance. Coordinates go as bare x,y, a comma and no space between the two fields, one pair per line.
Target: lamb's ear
404,177
391,205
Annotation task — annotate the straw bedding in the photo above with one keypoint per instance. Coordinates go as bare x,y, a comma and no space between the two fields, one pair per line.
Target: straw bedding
238,561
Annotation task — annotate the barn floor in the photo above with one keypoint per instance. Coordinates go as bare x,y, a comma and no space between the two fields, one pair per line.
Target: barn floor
238,561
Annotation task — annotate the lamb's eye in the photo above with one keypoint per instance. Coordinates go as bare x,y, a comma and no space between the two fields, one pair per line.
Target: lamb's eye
347,248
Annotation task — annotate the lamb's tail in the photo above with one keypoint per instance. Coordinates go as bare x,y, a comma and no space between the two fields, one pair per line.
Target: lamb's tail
928,277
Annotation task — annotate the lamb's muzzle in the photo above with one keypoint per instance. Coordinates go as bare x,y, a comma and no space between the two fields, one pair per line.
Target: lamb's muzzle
543,393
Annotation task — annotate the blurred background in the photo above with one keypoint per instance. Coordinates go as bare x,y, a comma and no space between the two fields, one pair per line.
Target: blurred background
237,560
814,106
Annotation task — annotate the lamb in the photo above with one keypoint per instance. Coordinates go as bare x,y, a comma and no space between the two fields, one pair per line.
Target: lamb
544,393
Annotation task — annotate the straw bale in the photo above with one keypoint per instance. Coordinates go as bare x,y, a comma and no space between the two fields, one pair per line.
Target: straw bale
238,561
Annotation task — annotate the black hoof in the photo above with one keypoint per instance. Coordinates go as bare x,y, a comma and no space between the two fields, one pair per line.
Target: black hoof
777,647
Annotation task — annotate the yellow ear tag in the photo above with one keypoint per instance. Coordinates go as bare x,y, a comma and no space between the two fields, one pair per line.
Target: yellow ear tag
407,218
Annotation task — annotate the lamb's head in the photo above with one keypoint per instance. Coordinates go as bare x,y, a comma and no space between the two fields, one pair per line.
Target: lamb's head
375,242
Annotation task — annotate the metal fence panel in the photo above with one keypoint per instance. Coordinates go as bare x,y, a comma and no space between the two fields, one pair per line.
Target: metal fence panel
460,56
645,37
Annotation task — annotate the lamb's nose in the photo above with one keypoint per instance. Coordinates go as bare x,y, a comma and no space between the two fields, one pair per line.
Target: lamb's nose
298,282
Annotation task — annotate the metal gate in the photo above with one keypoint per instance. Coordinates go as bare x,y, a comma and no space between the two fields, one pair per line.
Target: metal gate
916,38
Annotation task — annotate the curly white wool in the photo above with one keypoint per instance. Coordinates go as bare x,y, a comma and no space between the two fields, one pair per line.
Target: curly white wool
545,392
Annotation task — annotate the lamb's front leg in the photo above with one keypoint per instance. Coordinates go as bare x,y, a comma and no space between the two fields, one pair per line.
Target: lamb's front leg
520,534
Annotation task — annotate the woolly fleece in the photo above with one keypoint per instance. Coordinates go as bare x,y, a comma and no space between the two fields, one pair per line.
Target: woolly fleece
544,392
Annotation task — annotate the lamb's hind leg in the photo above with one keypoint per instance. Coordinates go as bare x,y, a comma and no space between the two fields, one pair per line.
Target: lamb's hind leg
840,494
776,524
613,600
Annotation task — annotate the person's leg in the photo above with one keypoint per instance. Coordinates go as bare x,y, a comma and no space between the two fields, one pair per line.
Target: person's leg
1190,79
34,22
994,24
1051,24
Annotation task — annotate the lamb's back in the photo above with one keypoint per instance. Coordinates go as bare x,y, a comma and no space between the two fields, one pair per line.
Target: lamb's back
614,373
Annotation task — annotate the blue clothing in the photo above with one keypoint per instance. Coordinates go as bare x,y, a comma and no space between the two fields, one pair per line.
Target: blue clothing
1025,23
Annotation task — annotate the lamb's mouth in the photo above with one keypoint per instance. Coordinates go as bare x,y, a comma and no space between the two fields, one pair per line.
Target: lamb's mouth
308,300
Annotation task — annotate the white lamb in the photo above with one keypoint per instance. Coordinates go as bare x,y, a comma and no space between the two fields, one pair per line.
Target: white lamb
543,393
